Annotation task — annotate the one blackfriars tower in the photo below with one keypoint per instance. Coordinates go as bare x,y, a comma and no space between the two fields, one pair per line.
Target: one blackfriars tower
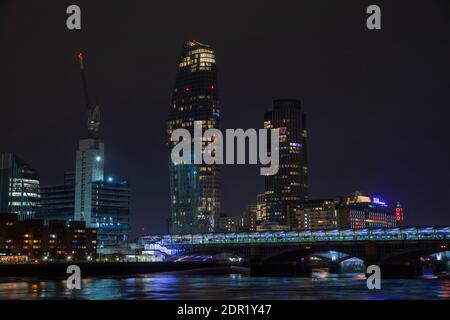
194,188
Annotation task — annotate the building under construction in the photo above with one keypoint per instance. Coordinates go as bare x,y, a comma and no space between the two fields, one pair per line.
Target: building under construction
87,195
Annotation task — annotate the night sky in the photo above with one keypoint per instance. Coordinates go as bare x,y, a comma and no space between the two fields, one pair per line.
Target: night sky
378,102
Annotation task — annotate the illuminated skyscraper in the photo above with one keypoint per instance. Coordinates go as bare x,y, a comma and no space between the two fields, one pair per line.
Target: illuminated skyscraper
290,185
194,188
19,187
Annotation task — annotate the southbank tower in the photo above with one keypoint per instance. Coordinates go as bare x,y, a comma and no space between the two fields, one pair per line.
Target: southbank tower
194,188
289,186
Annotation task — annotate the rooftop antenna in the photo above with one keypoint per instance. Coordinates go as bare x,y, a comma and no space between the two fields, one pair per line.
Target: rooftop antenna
93,112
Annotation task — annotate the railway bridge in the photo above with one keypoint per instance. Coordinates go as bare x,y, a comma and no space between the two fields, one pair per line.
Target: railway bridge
396,250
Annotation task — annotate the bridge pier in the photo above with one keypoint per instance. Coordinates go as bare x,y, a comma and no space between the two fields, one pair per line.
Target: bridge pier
256,270
255,264
334,267
439,267
303,269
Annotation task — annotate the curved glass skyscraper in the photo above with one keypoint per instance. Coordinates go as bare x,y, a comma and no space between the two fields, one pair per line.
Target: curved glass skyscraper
194,188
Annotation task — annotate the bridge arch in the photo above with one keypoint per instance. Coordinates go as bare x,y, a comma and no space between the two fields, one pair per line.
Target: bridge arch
412,253
296,254
215,254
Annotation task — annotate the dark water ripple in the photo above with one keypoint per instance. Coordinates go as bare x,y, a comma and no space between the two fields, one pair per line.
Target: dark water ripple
175,286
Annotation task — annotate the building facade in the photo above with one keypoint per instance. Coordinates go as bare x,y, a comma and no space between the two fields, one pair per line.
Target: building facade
261,208
229,224
358,212
284,190
250,218
111,215
110,210
89,169
315,215
194,188
19,187
58,201
33,240
350,212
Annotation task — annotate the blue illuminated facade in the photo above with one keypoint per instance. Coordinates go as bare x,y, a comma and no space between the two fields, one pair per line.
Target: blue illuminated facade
110,213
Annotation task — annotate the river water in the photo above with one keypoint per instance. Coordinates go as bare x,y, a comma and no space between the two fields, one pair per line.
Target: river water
233,286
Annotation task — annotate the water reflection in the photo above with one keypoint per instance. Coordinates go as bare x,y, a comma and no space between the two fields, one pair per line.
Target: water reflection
321,285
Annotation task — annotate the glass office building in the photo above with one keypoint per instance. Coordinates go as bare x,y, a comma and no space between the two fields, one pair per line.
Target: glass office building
194,188
19,187
284,190
110,210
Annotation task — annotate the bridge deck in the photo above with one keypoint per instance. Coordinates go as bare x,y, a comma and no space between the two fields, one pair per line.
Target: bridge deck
380,234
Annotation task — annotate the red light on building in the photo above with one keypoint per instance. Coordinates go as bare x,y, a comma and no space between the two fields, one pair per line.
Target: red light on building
399,214
80,55
187,89
282,131
212,87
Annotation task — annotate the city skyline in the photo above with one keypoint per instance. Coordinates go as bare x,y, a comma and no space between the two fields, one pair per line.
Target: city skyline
369,135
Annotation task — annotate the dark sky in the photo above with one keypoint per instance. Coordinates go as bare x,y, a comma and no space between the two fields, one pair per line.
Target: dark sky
377,101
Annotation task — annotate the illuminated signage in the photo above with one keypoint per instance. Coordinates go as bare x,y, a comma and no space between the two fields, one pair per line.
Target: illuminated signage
377,200
399,214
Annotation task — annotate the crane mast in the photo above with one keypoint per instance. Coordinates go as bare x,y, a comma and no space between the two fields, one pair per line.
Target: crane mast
93,125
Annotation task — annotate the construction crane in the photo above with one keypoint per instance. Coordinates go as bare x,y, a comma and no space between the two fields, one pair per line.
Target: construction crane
93,125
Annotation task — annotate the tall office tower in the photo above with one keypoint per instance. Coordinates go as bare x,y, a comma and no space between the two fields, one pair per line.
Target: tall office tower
90,158
19,187
194,188
89,169
290,185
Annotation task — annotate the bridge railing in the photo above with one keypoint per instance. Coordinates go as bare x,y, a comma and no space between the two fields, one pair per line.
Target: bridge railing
308,236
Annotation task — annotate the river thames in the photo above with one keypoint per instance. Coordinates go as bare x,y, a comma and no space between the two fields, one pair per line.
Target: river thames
228,287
